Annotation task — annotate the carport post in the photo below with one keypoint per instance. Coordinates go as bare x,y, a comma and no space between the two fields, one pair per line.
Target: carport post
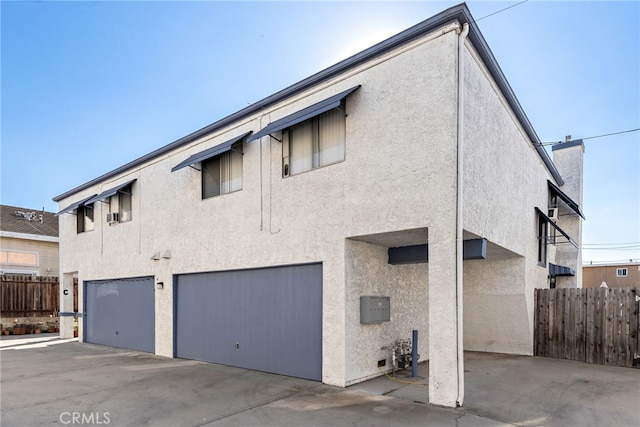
66,306
414,353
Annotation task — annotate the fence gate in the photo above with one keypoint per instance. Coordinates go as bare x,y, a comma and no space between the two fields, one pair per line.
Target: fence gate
598,325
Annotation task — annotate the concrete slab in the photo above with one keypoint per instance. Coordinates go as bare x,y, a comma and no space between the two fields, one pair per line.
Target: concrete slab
62,383
534,391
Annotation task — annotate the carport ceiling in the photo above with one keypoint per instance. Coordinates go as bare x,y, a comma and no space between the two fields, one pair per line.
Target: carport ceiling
395,239
419,236
494,252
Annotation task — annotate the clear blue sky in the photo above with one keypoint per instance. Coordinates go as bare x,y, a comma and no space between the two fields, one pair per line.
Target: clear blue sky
89,86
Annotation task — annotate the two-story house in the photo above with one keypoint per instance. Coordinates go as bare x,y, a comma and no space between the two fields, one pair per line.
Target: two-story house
613,275
28,241
408,172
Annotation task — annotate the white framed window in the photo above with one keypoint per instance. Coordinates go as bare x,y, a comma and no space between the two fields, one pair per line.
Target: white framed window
84,218
314,143
222,174
19,258
622,272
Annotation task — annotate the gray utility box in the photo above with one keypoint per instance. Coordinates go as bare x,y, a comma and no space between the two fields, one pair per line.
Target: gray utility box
375,309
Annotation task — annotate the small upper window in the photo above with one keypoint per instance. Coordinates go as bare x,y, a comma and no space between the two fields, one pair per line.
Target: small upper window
543,232
622,272
84,218
314,143
222,174
120,206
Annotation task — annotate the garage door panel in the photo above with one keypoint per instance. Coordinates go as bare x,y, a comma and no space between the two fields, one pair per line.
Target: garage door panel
121,313
265,319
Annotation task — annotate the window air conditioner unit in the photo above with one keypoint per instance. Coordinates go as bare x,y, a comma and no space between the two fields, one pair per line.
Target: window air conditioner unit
113,217
553,214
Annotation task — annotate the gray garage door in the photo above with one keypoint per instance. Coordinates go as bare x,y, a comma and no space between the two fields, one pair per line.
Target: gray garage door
120,313
267,319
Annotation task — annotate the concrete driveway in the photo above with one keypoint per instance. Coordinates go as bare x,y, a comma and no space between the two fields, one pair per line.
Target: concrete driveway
63,382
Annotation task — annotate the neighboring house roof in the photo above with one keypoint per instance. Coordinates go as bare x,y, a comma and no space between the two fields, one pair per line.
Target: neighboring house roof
613,264
460,13
17,220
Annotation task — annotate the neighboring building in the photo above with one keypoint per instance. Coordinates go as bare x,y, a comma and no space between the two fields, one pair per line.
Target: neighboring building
619,275
28,242
250,242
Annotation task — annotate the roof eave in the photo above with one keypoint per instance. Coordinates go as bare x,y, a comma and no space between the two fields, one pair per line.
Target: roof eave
459,12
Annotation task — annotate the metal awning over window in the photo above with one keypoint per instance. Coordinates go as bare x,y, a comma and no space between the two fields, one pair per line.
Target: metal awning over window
110,192
210,152
75,205
304,114
559,270
555,191
558,229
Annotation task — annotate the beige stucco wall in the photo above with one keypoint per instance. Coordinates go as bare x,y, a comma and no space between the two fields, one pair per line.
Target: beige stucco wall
369,274
569,161
399,174
504,180
47,253
495,306
398,146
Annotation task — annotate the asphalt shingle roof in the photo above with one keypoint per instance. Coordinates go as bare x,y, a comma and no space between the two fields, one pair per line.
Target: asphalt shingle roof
15,219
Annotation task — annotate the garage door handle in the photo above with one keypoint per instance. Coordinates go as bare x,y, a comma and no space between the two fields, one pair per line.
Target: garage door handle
237,346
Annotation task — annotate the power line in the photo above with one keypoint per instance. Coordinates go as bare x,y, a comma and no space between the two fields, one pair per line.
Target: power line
622,246
593,137
627,248
501,10
612,261
612,244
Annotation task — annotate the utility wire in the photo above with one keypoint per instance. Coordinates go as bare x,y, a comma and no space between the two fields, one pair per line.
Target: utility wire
611,261
631,248
501,10
630,245
611,244
592,137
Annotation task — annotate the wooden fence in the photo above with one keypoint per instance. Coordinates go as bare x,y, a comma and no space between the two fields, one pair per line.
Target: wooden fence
29,296
598,325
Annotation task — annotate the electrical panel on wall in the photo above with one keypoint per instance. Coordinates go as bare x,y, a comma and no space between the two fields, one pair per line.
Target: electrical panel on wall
375,309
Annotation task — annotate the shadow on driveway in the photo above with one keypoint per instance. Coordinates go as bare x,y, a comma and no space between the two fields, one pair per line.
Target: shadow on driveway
69,383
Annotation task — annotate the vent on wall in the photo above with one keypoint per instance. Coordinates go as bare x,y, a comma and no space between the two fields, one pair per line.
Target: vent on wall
113,218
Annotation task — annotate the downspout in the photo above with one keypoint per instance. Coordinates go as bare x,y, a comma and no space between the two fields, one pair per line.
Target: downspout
460,203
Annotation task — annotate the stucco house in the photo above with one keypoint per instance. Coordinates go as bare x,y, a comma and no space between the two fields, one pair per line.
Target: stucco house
614,275
401,189
28,241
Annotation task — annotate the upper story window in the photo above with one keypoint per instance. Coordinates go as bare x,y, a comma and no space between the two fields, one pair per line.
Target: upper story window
622,272
312,137
222,174
84,218
314,143
120,205
543,232
19,258
221,167
545,237
118,199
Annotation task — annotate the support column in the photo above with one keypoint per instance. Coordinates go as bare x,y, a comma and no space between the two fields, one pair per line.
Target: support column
443,349
66,306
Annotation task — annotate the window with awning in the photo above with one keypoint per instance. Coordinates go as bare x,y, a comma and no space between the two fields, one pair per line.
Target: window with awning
221,167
